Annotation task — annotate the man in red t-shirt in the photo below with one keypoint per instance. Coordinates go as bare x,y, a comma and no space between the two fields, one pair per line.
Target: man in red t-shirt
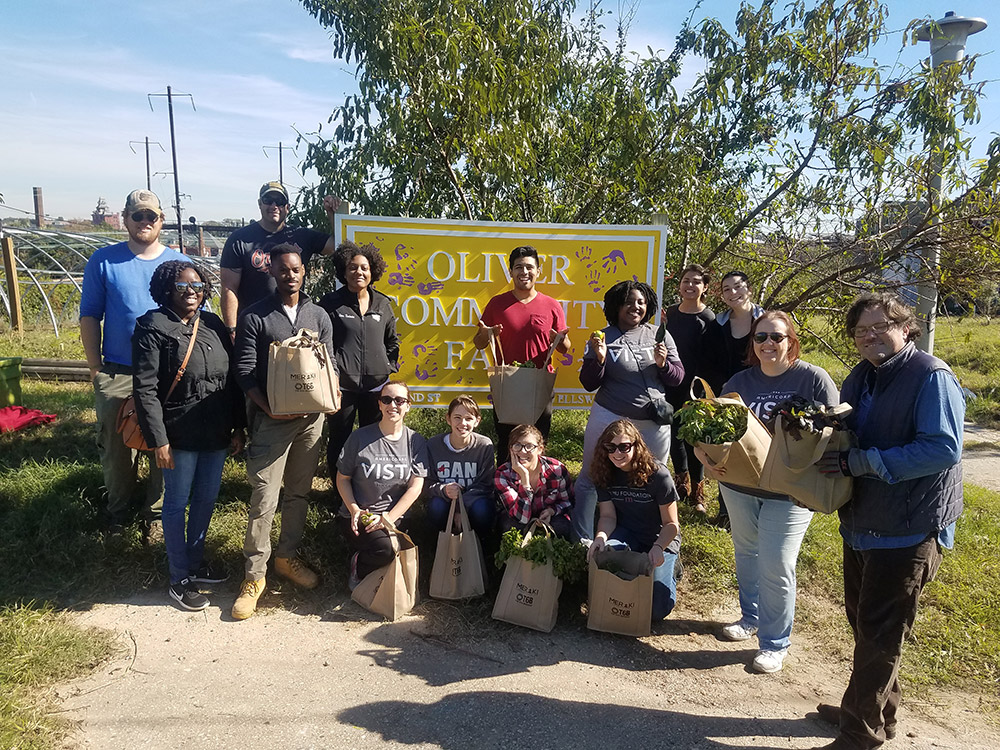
527,323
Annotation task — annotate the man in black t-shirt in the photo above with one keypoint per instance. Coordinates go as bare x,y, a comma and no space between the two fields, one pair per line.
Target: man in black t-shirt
246,255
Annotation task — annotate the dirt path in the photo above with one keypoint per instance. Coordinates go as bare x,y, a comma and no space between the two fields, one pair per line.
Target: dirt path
328,676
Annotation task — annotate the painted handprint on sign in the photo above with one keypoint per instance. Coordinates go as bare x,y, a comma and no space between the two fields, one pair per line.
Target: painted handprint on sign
566,359
594,280
400,279
422,374
585,256
401,252
430,287
611,260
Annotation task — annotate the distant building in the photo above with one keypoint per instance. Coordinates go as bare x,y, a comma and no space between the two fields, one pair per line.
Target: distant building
102,216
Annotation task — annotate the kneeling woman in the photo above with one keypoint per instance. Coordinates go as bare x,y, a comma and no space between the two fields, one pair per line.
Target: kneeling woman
637,503
379,476
532,486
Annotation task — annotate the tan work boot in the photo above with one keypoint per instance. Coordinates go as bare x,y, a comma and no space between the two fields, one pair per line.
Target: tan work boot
698,497
246,602
296,571
682,481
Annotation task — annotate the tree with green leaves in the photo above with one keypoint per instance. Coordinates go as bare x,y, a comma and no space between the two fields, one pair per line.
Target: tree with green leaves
794,156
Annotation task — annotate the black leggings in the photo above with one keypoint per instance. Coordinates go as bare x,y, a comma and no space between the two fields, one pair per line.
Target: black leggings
374,548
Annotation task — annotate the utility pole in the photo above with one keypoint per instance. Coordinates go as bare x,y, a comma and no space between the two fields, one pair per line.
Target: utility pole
173,152
147,142
947,37
281,168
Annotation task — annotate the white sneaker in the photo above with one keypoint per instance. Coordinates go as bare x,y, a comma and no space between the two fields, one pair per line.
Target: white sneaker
769,661
739,632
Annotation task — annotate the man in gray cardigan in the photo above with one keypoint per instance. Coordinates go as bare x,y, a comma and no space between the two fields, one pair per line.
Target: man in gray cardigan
284,448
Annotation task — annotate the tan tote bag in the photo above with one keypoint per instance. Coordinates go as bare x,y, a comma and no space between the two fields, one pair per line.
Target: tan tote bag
520,394
620,602
744,458
529,593
791,468
300,376
391,591
458,567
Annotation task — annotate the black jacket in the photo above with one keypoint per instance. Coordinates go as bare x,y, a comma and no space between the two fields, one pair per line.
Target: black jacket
368,347
206,404
267,321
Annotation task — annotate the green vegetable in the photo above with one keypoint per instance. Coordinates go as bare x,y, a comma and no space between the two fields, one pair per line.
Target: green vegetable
569,561
705,422
799,415
599,335
367,519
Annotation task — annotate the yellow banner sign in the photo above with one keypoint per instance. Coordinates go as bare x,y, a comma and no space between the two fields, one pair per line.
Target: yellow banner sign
442,273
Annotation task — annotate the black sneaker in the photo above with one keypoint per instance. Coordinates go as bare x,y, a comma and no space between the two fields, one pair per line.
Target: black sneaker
208,574
185,593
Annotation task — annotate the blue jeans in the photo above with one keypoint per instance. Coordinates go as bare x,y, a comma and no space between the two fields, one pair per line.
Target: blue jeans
480,508
196,477
664,583
767,535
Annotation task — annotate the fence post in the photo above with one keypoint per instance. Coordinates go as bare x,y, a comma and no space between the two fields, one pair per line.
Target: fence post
13,290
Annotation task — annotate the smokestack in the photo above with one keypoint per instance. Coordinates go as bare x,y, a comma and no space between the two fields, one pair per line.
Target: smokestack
39,211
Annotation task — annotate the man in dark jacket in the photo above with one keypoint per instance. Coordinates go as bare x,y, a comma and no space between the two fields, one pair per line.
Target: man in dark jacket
908,415
284,448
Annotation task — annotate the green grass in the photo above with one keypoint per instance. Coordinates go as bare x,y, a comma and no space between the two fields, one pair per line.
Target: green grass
52,552
40,647
40,342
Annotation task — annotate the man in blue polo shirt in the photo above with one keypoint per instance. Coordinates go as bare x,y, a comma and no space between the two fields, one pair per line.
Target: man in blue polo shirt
908,415
116,292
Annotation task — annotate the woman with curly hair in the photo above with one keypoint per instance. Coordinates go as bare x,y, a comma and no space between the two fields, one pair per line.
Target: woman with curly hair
630,366
191,430
364,336
637,502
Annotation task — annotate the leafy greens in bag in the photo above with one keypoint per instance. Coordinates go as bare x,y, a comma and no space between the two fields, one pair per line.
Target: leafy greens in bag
704,422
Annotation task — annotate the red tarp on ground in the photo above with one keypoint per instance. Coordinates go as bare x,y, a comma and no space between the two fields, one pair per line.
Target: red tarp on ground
13,418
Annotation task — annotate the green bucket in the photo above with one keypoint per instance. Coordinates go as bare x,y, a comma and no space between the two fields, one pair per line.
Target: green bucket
10,381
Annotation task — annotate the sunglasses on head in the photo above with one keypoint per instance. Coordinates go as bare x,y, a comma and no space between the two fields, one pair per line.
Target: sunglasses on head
777,338
274,200
150,216
618,447
195,286
397,400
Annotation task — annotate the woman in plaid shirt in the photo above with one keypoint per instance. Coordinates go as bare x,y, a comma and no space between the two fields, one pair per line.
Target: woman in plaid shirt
532,486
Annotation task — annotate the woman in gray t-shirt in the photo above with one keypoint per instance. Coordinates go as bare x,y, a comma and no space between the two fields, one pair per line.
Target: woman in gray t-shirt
768,528
380,474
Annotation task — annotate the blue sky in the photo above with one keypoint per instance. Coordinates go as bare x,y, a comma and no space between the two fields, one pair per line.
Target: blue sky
76,76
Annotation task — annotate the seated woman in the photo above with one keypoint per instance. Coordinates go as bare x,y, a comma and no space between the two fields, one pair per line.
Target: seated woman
532,486
379,476
637,502
461,462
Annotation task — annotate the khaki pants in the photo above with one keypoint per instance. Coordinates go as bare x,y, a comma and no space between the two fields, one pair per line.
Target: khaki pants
281,451
112,386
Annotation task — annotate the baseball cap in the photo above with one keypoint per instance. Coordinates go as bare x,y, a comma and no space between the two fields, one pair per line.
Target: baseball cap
273,187
140,199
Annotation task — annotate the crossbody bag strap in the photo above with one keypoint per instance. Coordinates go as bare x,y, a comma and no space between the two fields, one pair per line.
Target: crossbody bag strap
642,370
187,357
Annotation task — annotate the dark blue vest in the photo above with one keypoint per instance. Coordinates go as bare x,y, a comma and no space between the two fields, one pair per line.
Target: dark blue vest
924,505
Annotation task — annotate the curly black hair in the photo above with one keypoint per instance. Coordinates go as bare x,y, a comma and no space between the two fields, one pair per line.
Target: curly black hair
161,286
615,298
347,249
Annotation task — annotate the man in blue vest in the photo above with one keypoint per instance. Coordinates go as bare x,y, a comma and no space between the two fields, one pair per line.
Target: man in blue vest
908,415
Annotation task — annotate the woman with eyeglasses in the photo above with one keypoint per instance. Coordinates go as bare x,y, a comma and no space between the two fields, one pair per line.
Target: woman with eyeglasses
364,336
532,486
637,503
192,429
767,527
630,364
380,475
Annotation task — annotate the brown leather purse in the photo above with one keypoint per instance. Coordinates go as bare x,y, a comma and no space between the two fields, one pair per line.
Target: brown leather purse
127,423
